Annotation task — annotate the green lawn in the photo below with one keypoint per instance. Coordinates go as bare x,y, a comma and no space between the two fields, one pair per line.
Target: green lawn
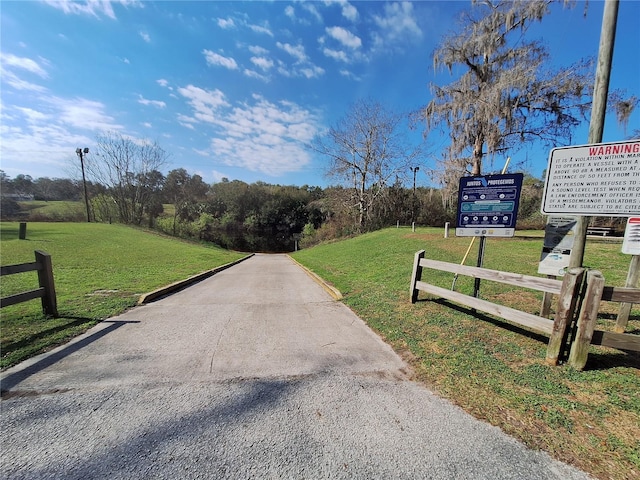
493,370
99,270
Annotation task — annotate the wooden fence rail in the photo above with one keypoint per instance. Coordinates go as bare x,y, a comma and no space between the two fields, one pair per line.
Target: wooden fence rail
46,291
571,299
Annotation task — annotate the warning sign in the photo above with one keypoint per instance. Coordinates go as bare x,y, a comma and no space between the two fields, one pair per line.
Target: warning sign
594,180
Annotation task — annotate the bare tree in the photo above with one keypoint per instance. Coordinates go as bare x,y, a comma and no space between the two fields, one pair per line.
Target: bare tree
367,149
130,170
506,96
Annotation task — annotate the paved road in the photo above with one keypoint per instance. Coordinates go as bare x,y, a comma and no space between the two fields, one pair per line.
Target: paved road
255,372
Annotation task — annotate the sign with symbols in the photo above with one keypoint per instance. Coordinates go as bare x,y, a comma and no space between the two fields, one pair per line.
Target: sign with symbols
631,242
488,205
559,235
594,180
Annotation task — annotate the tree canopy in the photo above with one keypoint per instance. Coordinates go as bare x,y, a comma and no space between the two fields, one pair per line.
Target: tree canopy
505,95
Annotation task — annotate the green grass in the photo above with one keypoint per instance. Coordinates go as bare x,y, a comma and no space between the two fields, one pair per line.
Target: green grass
99,271
492,369
53,210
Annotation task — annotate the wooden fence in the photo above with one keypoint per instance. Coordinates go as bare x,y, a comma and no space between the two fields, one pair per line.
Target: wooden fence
573,297
46,290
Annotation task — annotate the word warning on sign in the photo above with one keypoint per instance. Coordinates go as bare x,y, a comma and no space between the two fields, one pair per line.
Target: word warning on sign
599,180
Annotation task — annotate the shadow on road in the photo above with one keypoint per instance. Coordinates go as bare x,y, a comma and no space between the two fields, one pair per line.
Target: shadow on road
13,379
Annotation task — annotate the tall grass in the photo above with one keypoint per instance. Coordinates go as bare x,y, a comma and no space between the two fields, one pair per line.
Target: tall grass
492,369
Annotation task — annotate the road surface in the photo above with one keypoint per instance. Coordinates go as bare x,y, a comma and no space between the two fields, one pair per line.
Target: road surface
256,372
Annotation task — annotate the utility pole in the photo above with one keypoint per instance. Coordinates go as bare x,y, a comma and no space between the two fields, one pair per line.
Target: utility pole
598,109
413,200
80,152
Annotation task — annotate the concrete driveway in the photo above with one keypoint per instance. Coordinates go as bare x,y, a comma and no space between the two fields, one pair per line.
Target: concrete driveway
256,372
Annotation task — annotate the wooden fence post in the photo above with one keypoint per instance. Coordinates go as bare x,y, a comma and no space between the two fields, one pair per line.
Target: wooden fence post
567,300
45,278
22,232
587,320
416,275
625,308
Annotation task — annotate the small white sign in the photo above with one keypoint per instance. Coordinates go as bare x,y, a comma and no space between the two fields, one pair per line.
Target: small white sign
631,242
559,235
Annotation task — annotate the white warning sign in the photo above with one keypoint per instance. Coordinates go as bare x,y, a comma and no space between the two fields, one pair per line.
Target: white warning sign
594,180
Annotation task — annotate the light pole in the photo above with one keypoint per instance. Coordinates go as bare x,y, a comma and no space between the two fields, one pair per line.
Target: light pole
81,152
413,201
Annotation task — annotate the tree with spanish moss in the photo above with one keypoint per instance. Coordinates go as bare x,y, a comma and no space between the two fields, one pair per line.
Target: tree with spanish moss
505,96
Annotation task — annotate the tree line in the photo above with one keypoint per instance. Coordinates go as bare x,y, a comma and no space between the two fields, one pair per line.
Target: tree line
504,97
183,204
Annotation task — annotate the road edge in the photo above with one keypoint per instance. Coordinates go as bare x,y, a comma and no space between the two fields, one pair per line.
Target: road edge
334,292
179,285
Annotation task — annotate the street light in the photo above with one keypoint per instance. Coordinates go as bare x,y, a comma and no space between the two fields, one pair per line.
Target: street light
81,152
413,202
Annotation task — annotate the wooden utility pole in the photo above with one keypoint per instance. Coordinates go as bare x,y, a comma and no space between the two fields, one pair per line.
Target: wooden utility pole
598,109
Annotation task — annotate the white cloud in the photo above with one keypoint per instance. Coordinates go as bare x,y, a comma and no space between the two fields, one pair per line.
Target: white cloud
345,37
259,135
262,62
253,74
84,114
147,125
216,59
335,54
258,50
311,8
162,82
296,51
204,102
24,63
33,116
42,139
93,8
312,71
398,22
19,84
290,12
349,11
145,36
155,103
261,29
226,23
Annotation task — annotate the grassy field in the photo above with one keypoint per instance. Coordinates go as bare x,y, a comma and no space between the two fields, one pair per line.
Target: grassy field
100,270
495,371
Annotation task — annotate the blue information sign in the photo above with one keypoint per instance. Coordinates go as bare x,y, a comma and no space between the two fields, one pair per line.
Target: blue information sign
488,205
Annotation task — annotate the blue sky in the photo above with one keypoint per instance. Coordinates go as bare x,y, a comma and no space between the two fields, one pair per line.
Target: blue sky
236,89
